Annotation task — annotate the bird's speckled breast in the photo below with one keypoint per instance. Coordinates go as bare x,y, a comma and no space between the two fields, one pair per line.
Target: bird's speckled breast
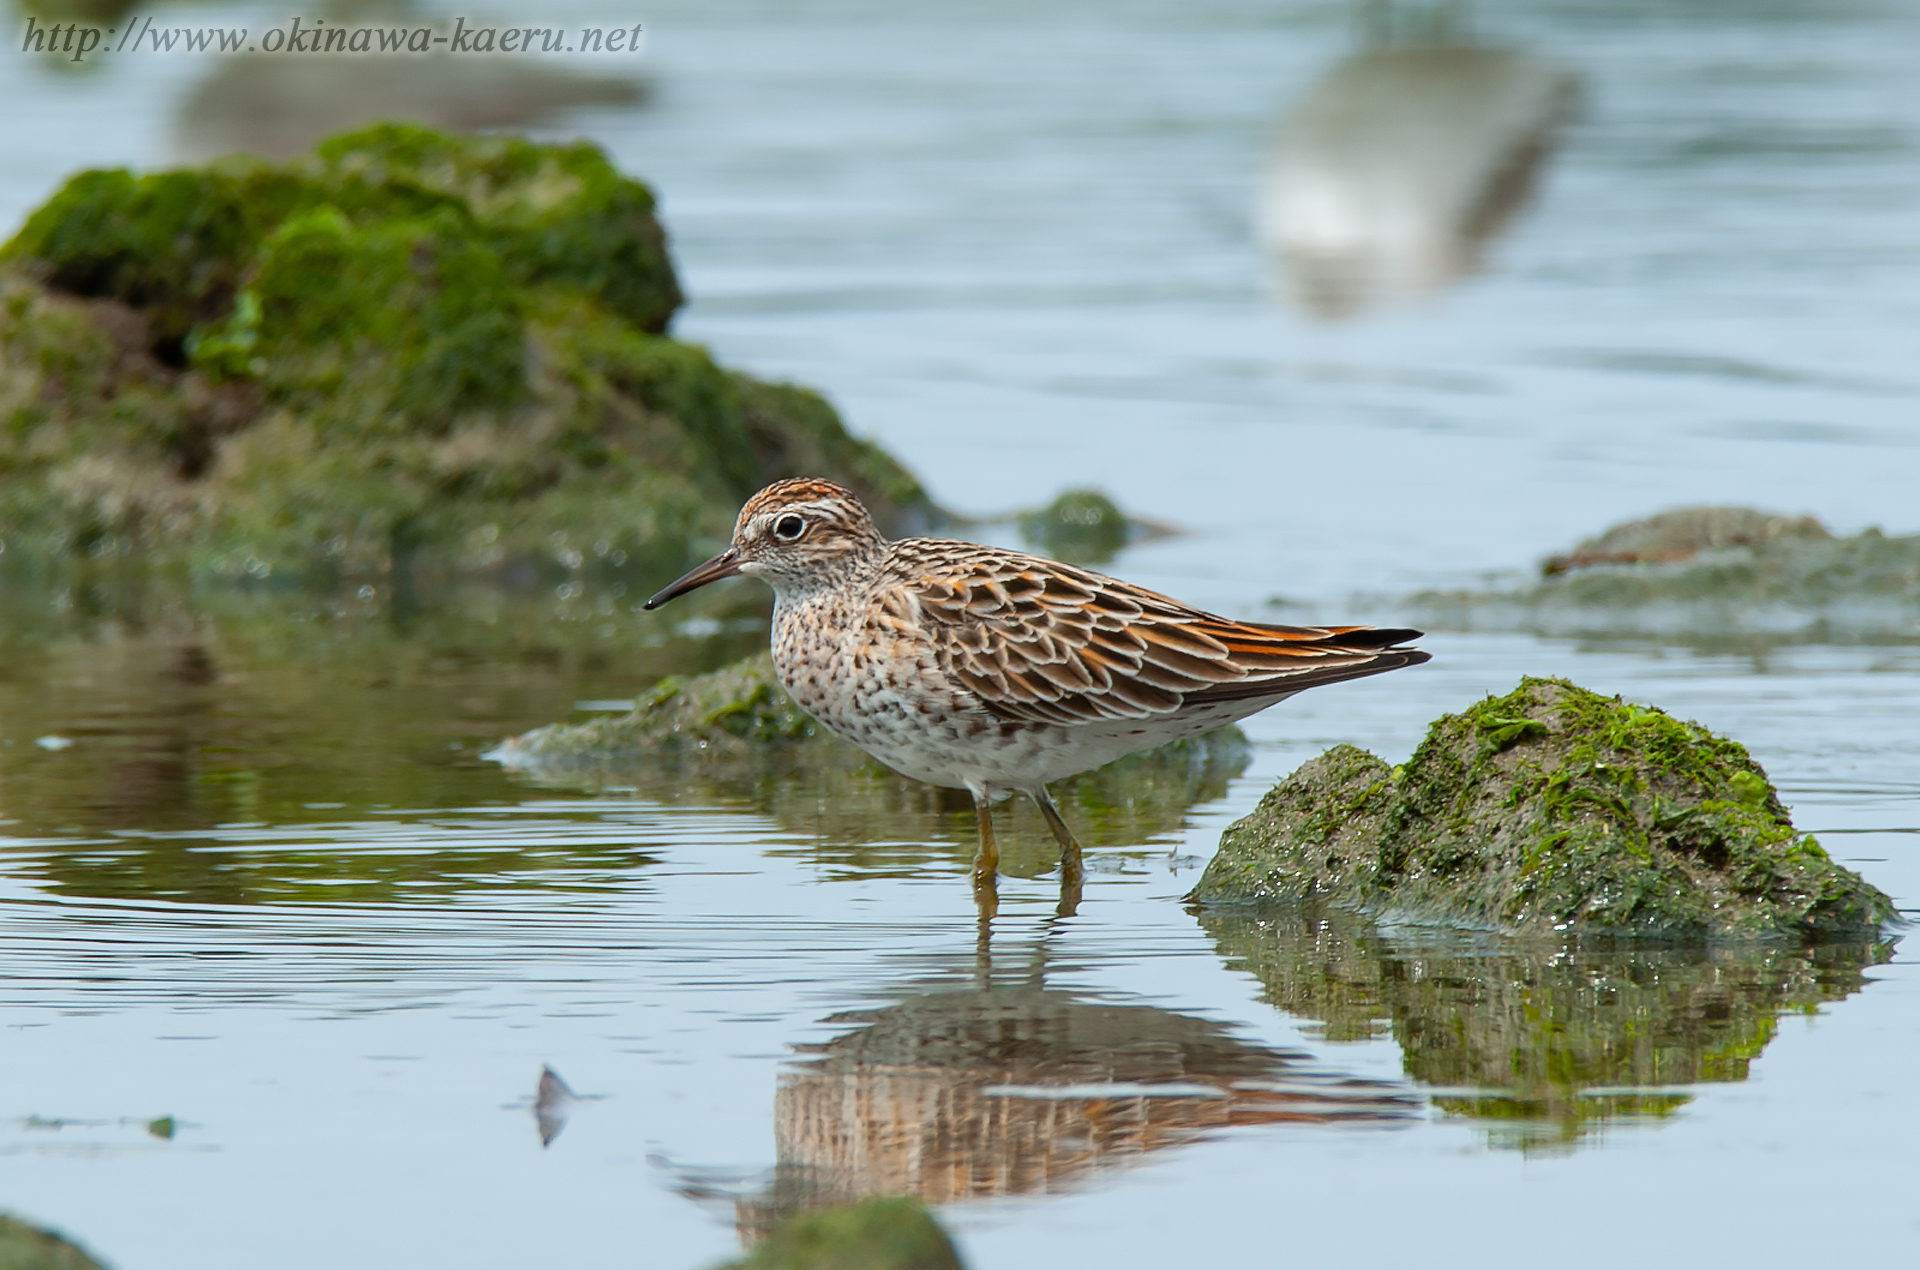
848,663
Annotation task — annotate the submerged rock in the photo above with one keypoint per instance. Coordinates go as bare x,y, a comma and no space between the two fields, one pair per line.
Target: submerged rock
408,348
1706,570
1549,809
735,732
1546,1042
875,1234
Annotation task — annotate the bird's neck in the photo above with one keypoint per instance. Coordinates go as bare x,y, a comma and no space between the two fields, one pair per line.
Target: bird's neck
850,574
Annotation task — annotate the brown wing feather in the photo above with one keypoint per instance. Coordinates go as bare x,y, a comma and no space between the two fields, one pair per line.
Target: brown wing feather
1043,642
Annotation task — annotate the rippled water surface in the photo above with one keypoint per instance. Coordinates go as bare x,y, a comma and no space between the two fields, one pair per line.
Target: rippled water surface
256,877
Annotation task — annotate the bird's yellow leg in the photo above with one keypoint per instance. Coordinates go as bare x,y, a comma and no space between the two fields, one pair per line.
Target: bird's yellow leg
986,861
1072,868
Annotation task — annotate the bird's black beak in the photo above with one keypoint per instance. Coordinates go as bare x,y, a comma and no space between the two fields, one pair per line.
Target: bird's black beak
724,565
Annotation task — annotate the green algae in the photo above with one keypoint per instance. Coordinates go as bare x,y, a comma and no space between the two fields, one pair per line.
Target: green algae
1546,1043
1549,809
181,243
556,215
885,1233
735,733
408,351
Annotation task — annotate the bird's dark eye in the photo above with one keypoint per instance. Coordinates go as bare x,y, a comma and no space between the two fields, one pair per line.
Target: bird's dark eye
788,528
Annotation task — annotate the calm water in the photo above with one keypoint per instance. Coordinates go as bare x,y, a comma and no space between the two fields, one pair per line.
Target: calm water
271,890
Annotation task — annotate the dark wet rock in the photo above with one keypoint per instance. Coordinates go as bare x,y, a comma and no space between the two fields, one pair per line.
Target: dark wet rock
1551,808
876,1234
1545,1042
27,1247
1705,571
1401,162
408,349
736,733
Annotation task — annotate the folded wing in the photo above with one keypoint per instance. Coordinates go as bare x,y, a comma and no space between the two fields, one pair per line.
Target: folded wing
1043,642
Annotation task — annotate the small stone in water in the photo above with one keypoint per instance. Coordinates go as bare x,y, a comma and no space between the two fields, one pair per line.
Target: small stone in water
51,742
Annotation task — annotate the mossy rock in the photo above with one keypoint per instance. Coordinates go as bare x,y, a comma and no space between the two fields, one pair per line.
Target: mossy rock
181,243
27,1247
408,350
1082,526
725,714
875,1234
1549,809
557,215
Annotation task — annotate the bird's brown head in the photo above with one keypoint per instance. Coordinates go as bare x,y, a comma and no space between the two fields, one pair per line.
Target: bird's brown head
797,535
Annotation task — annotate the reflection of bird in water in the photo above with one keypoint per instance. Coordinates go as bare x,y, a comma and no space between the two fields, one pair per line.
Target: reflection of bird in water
1009,1087
1402,161
996,671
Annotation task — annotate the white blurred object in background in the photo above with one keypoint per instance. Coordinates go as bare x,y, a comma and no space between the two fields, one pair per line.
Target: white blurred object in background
1400,163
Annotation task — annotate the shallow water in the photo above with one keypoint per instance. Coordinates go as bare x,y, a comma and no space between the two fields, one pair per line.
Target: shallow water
271,890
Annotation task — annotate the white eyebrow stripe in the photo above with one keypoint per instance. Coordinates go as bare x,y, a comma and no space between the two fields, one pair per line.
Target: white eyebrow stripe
823,511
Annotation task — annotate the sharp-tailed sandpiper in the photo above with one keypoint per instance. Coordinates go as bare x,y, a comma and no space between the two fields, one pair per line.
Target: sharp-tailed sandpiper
995,671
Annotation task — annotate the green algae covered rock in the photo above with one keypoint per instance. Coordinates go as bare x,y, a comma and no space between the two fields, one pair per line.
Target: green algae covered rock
728,714
409,347
895,1233
1082,526
1549,809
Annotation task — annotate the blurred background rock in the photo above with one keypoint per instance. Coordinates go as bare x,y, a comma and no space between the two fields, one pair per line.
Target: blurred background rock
279,106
